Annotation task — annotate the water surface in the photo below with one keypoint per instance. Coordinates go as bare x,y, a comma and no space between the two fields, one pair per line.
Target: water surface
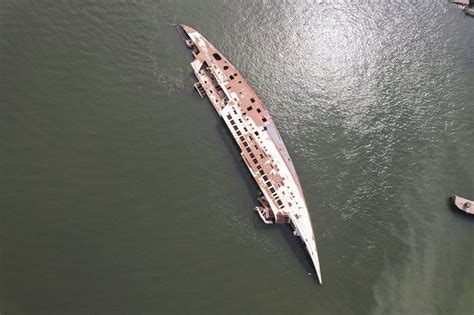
122,192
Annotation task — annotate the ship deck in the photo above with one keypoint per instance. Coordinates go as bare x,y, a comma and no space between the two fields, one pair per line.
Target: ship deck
252,127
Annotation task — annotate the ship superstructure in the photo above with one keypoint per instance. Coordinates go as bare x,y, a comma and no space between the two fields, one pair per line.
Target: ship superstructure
262,149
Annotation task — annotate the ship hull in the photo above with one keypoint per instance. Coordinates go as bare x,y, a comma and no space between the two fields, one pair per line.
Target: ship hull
262,148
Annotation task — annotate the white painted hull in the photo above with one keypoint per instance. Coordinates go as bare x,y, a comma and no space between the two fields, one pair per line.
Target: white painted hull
252,127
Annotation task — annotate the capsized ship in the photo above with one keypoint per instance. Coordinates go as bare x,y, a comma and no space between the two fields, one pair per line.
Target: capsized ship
262,149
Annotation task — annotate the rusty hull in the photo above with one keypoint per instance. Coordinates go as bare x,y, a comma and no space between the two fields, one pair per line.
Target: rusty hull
252,127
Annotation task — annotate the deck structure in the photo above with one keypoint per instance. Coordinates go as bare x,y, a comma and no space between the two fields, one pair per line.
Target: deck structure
262,149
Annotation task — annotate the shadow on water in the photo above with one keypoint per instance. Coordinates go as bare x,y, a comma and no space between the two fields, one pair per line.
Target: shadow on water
299,249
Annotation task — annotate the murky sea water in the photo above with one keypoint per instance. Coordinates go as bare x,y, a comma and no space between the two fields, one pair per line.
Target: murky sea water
122,192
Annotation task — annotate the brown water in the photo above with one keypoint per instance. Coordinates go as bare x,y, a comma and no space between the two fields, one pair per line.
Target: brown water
122,193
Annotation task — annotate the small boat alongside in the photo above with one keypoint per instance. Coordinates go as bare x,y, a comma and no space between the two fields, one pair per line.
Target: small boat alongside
469,10
461,2
466,5
463,204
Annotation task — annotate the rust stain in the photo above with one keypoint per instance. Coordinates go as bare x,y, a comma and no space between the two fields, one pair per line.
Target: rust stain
262,149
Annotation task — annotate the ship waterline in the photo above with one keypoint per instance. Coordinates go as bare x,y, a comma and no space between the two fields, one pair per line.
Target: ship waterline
262,149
